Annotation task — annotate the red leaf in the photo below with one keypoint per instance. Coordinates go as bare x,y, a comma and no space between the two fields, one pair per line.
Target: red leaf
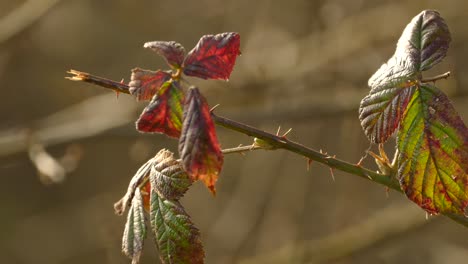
172,51
198,145
213,57
144,83
164,113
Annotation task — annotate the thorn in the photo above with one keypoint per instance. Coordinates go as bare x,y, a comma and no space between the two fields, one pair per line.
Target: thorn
361,160
332,174
214,107
309,162
427,216
387,191
122,81
285,134
117,93
278,131
368,176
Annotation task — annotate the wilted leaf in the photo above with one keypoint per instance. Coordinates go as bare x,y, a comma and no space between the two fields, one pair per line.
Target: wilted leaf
142,172
135,229
433,153
178,240
164,113
198,145
213,57
423,44
172,51
144,84
170,179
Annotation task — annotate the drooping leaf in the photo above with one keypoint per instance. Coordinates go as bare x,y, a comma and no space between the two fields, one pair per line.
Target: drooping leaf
139,176
423,44
172,51
433,153
178,240
164,113
425,40
144,84
213,57
170,179
199,148
135,229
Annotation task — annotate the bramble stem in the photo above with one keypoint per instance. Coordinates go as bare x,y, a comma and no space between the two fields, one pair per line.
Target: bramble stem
436,78
278,142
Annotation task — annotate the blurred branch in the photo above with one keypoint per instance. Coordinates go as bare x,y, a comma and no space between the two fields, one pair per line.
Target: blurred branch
384,224
23,16
88,118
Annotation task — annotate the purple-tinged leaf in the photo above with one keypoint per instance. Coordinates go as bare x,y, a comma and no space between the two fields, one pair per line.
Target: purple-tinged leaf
425,40
135,229
213,57
164,113
177,238
144,84
199,148
433,153
172,51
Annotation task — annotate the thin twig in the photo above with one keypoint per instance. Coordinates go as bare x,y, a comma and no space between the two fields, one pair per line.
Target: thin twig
277,142
436,78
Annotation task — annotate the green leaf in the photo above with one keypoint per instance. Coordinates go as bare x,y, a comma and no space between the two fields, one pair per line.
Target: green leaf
169,178
178,240
423,44
433,153
135,229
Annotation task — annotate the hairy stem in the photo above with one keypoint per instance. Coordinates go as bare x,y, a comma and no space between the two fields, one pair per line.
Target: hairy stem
277,142
436,78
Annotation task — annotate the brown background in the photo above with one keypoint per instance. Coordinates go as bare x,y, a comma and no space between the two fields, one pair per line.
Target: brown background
304,65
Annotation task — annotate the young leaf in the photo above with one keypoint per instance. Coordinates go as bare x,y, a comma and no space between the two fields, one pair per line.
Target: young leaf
425,40
170,179
213,57
172,51
198,145
433,153
164,113
423,44
144,84
135,229
178,240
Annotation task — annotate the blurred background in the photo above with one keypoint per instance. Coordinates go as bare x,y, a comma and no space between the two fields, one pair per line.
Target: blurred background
68,150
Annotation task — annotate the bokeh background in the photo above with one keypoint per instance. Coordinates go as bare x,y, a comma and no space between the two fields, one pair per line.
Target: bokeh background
304,65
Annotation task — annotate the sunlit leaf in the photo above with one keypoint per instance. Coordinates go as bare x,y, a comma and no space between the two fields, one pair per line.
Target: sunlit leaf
433,153
139,176
213,57
198,145
135,229
170,179
144,84
178,240
164,113
172,51
423,44
425,40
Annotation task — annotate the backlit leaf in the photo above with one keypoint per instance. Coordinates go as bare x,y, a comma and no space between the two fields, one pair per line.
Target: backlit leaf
172,51
135,229
213,57
178,240
144,84
433,153
423,44
164,113
198,145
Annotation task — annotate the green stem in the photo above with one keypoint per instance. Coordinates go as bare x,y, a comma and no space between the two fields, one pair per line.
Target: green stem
278,142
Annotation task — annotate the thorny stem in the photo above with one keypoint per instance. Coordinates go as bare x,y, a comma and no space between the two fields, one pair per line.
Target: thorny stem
277,142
